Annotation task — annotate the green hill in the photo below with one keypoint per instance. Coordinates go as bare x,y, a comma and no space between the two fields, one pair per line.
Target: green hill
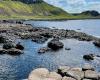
10,9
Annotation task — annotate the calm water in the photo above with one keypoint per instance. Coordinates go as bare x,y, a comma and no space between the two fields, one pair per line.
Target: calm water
88,26
19,67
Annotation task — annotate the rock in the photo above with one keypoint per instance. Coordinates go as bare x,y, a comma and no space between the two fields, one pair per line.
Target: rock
97,43
87,67
54,76
88,57
39,39
67,48
63,69
78,75
19,46
55,44
91,75
8,45
14,51
3,51
2,39
43,50
68,78
38,74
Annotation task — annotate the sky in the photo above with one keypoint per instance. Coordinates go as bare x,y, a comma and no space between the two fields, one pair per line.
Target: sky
76,6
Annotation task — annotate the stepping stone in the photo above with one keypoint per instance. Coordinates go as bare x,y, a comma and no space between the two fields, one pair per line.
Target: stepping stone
68,78
75,74
91,75
87,67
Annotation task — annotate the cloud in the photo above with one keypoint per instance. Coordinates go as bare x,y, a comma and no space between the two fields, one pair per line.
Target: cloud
74,6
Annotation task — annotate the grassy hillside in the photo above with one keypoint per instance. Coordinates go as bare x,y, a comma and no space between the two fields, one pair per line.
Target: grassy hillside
19,10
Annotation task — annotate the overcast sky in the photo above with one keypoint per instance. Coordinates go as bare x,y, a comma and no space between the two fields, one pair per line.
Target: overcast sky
74,6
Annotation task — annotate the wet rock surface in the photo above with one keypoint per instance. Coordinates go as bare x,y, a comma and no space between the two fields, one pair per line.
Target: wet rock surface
88,57
55,44
70,74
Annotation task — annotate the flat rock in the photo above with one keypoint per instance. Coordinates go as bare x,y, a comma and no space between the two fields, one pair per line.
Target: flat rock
55,76
75,74
87,67
91,75
68,78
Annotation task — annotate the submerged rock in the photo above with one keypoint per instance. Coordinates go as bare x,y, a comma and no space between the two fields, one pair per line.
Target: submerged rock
55,44
43,50
68,49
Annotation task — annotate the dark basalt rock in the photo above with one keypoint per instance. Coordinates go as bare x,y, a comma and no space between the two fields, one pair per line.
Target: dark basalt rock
11,51
97,43
19,46
14,51
8,45
68,49
88,57
2,39
55,44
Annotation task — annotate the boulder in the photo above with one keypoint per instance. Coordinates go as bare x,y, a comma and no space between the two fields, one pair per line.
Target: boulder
38,74
97,43
55,44
68,78
19,46
87,67
91,75
88,57
8,45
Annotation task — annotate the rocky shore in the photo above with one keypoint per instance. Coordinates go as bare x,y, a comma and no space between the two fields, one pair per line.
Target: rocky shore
10,31
87,72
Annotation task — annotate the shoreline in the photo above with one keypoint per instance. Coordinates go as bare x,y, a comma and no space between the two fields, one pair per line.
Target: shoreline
50,19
